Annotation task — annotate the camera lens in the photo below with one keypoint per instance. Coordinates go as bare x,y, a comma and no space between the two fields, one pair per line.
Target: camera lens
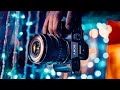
48,49
36,48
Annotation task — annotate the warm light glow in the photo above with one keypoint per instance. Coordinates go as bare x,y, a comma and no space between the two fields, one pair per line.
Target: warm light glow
93,33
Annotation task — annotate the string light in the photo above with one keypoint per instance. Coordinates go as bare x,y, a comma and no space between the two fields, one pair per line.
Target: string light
93,33
3,56
29,23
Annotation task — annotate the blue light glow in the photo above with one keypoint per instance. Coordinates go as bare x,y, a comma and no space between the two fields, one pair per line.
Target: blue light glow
16,76
46,70
9,73
59,73
20,33
86,37
83,76
53,72
102,63
23,16
72,77
29,23
105,55
96,60
3,55
106,40
20,49
97,73
47,77
31,76
89,77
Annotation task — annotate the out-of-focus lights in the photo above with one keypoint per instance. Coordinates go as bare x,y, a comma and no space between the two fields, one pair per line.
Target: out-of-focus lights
90,64
23,16
59,73
96,60
106,40
86,37
9,73
31,76
53,72
3,55
83,76
97,73
29,23
16,76
93,33
47,77
89,77
105,55
46,70
109,28
72,77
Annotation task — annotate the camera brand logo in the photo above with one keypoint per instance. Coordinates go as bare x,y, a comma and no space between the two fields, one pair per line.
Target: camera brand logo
74,49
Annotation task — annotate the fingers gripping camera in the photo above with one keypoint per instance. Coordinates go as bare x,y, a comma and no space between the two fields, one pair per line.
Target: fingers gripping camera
49,49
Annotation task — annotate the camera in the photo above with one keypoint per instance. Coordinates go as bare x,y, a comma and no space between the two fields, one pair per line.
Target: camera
49,49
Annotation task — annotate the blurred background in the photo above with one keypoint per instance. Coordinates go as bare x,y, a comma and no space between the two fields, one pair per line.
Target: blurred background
16,28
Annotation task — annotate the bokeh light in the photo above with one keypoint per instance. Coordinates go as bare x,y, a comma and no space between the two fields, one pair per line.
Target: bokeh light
59,73
106,40
93,33
46,70
47,77
83,76
96,60
90,64
89,77
105,55
97,73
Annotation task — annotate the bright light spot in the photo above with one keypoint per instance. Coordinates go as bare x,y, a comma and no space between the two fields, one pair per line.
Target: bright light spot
22,16
105,55
89,77
104,25
9,73
99,25
29,23
106,40
8,24
97,73
59,73
72,77
93,33
96,60
3,55
52,72
20,49
83,76
31,76
14,15
109,28
90,64
102,63
85,37
46,70
47,77
20,33
15,77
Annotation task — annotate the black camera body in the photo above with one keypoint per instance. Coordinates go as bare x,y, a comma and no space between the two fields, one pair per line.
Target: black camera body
49,49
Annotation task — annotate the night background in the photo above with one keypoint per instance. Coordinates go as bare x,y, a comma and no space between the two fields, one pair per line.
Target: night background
17,27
